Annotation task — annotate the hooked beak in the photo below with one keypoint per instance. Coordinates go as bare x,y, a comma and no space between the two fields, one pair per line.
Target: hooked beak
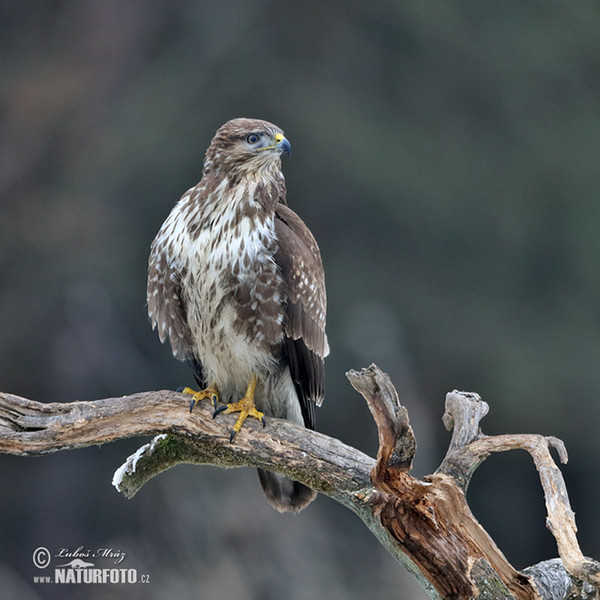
283,145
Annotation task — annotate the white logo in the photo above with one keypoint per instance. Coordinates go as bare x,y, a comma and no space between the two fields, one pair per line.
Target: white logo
41,557
80,571
77,563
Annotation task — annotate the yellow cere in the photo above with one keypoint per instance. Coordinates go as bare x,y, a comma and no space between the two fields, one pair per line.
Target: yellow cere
278,138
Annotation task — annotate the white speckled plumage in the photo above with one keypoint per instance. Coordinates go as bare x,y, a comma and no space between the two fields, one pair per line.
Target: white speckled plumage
235,282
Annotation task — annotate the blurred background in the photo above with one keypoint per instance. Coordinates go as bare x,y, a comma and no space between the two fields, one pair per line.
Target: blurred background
445,158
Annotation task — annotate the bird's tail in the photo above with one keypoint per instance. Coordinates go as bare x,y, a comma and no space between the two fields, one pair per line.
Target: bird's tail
284,494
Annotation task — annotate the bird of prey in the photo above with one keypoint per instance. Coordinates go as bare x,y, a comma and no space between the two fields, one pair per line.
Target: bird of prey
236,282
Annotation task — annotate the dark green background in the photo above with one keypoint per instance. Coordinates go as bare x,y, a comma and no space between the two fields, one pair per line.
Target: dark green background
446,159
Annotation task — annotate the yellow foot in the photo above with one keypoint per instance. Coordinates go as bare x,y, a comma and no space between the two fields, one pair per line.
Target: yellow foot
245,407
210,392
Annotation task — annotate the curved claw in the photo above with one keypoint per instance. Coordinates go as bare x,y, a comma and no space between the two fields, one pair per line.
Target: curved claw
210,392
219,410
234,431
245,407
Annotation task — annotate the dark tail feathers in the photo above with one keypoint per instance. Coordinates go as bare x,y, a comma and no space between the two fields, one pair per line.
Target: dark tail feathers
284,494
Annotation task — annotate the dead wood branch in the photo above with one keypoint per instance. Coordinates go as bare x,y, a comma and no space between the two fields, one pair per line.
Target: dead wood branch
426,524
469,448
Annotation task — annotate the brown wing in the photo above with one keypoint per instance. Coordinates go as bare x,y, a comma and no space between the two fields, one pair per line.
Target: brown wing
165,306
299,260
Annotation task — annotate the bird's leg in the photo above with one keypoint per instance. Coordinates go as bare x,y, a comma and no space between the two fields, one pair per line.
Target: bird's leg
211,392
245,407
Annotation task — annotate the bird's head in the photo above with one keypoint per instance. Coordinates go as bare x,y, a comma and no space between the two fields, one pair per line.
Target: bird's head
247,147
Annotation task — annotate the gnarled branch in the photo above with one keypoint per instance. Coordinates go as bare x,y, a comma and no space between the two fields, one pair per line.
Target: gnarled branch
426,524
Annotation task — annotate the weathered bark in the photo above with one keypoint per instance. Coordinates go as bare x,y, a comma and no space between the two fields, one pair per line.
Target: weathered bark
426,524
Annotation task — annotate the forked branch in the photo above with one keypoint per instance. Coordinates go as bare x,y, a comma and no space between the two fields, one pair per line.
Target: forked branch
426,524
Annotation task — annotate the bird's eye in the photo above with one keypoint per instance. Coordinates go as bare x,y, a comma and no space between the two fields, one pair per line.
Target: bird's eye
253,138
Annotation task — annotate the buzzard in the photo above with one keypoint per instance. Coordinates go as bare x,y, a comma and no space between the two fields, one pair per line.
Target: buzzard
235,281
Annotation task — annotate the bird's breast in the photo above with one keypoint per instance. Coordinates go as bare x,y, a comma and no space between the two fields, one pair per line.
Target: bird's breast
233,296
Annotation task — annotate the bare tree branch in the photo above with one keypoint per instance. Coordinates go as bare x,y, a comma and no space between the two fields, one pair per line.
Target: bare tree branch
425,524
469,448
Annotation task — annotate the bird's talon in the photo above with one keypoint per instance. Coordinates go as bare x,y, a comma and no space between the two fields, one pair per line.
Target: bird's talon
245,407
210,392
220,409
